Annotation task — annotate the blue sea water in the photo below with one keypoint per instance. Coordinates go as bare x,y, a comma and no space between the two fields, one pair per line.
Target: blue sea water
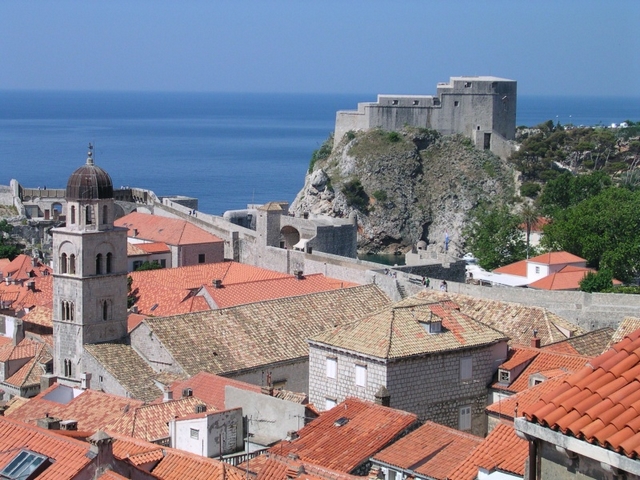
226,149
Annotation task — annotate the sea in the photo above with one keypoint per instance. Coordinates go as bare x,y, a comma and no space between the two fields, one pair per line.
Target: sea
226,149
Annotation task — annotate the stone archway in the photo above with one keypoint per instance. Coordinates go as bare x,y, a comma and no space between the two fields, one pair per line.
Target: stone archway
289,236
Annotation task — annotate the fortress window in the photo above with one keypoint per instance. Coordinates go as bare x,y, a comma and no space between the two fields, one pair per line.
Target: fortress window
467,84
73,215
109,256
105,310
416,102
201,258
63,263
436,101
98,264
456,103
72,264
394,102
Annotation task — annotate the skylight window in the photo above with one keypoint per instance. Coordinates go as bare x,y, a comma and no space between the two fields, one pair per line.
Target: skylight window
25,466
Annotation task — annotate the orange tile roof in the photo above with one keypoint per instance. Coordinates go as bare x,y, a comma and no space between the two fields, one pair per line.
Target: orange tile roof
544,361
565,279
69,456
516,268
29,374
22,268
519,357
40,315
209,388
556,258
432,450
149,422
91,409
178,465
167,230
133,320
369,428
25,349
20,296
154,247
591,343
111,475
258,291
508,407
626,327
270,466
501,450
600,403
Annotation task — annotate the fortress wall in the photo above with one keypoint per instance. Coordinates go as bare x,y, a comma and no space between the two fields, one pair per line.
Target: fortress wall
347,120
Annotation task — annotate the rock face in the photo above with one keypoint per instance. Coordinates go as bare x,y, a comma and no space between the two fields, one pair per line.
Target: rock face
404,187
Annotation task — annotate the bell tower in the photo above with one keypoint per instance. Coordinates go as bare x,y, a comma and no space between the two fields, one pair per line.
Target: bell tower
89,271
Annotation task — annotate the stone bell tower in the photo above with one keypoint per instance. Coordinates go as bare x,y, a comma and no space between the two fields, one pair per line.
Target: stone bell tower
90,271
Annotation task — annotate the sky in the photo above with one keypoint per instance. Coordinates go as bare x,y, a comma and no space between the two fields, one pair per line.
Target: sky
559,47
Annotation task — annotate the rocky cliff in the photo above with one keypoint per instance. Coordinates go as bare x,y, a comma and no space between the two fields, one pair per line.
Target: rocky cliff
404,187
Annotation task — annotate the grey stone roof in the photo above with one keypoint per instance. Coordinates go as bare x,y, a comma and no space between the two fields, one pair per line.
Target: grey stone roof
128,368
403,331
247,336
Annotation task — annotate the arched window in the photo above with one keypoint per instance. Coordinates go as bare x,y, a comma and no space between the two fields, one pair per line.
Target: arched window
109,256
73,215
63,312
88,215
71,309
98,264
105,310
63,263
72,264
105,215
67,367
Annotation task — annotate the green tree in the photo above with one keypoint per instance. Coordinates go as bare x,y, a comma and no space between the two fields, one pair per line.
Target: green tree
567,190
494,237
529,216
597,282
149,266
8,248
603,229
356,196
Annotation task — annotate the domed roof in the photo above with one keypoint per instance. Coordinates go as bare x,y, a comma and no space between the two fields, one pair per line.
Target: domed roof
89,182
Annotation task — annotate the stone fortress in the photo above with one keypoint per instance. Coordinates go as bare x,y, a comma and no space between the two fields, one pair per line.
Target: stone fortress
480,108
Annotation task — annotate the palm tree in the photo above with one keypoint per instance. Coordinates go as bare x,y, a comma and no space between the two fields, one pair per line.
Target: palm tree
529,215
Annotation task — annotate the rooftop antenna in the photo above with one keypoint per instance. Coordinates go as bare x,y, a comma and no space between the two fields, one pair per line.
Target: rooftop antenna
90,155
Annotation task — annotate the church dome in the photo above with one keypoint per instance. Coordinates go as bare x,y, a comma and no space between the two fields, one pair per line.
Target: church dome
89,182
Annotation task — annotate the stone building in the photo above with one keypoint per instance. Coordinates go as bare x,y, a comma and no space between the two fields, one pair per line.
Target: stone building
421,357
480,108
90,272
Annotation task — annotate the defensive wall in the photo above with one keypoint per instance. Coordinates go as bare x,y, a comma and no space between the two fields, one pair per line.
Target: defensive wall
480,108
588,310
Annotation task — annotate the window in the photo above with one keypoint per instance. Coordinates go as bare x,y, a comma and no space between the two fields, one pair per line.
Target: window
67,368
105,215
503,376
136,264
194,433
201,258
72,264
391,475
73,215
88,215
361,375
464,422
330,403
163,263
467,84
394,102
466,368
105,310
98,264
537,269
109,257
25,466
456,103
332,367
63,263
416,102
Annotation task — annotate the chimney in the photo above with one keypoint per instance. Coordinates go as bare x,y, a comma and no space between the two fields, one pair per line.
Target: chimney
382,396
2,409
85,380
31,285
298,274
46,380
48,423
34,262
167,395
18,332
535,341
217,283
102,447
135,232
267,390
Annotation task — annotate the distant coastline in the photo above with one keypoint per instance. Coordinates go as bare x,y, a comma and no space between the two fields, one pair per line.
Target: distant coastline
226,149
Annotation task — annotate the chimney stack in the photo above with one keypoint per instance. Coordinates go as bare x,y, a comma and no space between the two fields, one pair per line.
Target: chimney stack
18,332
167,395
535,341
217,283
85,379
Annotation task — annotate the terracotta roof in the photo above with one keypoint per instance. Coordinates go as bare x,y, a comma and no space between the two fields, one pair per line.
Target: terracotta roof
502,450
248,336
432,450
24,350
401,331
178,465
111,475
365,429
40,315
29,374
270,466
150,422
544,361
209,388
127,367
154,247
133,250
516,321
90,408
519,357
556,258
21,297
516,268
601,402
506,407
590,344
174,291
568,278
133,320
171,231
69,456
22,268
626,327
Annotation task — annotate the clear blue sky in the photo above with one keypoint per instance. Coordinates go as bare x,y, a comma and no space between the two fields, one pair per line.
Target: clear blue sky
585,47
